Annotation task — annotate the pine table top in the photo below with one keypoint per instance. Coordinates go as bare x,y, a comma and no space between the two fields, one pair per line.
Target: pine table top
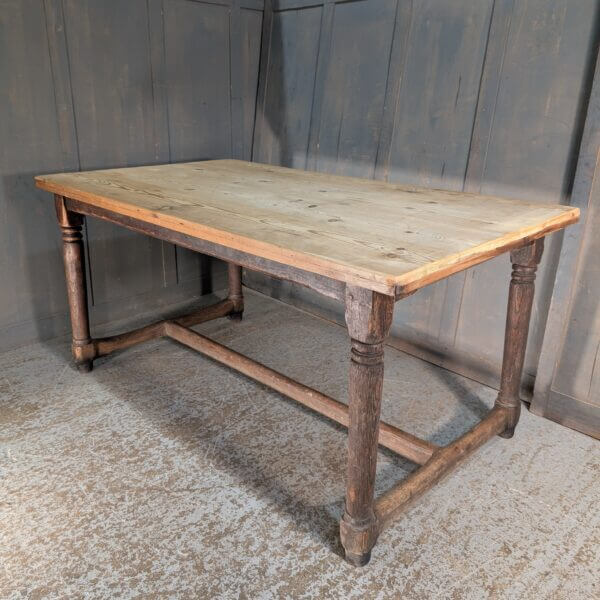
377,235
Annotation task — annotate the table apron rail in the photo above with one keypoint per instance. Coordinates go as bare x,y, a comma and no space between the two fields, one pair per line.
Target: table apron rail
321,284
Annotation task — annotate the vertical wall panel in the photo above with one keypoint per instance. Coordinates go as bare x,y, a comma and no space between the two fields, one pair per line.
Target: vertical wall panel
197,66
537,107
284,110
578,370
198,79
30,260
485,96
438,95
433,122
250,31
99,83
353,97
529,155
567,386
111,80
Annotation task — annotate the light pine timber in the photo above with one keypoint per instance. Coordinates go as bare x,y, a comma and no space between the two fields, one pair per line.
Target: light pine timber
375,235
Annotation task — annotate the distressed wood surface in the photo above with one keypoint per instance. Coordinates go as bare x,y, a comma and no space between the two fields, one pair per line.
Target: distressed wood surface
377,235
73,257
395,500
368,317
368,313
401,442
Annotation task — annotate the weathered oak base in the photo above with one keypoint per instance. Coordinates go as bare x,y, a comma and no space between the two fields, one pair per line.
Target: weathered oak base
435,461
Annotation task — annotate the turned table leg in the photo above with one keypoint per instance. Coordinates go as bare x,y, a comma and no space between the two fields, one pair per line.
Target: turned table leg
70,224
368,317
520,300
234,274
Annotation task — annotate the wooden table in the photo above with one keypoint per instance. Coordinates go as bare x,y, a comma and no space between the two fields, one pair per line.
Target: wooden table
365,243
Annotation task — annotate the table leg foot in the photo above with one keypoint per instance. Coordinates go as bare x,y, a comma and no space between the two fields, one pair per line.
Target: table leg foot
358,560
358,538
85,367
512,422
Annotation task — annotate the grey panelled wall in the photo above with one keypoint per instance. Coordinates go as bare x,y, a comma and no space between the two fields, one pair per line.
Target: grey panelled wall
568,381
487,96
88,84
484,96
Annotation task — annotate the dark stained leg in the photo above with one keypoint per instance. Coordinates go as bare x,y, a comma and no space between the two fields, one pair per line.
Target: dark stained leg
368,317
520,300
70,224
234,273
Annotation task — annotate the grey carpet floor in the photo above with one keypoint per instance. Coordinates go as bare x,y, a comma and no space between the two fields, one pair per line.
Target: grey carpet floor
162,474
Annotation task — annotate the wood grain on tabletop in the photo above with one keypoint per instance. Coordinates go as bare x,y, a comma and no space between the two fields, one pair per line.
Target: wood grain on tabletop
368,233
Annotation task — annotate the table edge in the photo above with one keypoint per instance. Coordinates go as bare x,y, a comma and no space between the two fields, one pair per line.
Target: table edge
377,281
